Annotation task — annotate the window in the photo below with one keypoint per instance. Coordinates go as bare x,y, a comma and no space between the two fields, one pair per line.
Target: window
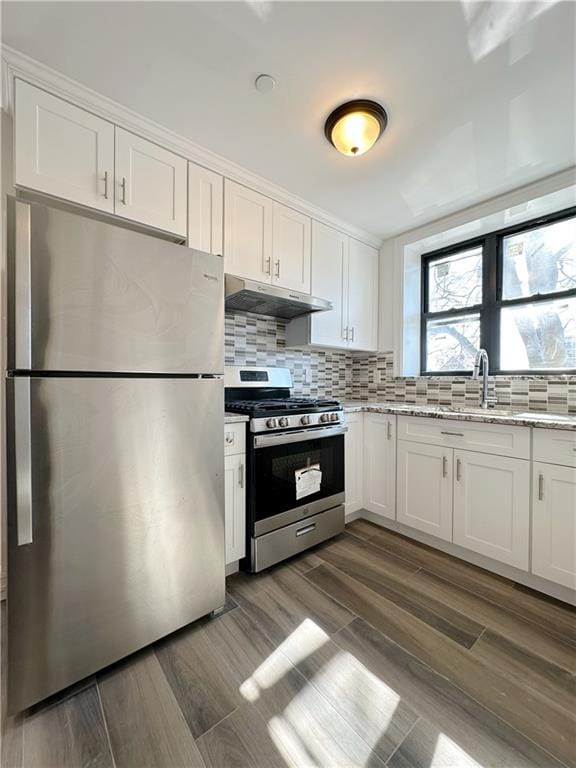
512,292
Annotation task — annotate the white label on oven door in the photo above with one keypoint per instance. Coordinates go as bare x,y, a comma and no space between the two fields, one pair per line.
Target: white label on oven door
308,480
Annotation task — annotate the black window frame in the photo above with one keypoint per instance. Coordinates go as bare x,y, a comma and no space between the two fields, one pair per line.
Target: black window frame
492,302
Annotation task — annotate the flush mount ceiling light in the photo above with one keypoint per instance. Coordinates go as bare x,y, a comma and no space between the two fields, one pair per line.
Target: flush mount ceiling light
353,128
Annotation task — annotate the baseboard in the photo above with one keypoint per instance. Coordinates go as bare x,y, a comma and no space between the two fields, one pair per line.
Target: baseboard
350,516
232,568
557,591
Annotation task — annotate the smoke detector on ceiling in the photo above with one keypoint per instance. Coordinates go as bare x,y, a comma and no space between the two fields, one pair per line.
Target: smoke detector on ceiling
265,83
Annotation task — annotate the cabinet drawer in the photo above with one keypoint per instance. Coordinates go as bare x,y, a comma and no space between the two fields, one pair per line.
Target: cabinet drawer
234,438
555,446
501,440
288,541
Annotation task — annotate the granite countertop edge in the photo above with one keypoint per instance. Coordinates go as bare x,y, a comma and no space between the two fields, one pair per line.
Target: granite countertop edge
428,411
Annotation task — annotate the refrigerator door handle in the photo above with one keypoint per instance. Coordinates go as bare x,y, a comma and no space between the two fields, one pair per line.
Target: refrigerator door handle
22,286
23,448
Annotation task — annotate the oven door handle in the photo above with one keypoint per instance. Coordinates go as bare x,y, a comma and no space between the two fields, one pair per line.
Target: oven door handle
282,438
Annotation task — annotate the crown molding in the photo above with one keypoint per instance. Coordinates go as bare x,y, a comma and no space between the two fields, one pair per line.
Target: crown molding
17,64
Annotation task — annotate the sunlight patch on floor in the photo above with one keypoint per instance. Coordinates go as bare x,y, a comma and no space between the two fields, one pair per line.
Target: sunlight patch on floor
300,644
448,754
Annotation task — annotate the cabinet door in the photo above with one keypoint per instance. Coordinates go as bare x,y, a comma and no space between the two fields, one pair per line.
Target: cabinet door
492,506
150,183
354,451
291,249
235,507
554,523
424,487
329,281
205,209
380,464
63,150
362,296
247,233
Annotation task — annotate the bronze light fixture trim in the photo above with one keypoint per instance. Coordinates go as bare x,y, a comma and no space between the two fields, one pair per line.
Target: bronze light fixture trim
354,127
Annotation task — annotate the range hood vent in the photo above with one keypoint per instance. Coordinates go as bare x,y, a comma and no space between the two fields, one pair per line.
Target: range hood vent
263,299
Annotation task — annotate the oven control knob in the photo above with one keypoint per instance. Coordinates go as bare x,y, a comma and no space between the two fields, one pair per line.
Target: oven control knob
324,417
283,422
334,417
305,420
271,423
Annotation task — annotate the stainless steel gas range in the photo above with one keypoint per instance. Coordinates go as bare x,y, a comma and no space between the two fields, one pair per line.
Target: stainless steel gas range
295,464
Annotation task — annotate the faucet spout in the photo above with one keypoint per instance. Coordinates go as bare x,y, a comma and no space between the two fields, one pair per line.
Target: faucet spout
482,360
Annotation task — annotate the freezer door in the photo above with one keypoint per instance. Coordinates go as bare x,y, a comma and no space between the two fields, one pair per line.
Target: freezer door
94,297
115,522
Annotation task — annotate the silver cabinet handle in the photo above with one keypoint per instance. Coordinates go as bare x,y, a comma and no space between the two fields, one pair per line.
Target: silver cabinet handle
23,454
123,185
306,529
352,329
444,466
241,475
540,487
389,431
458,469
453,434
268,263
277,272
106,185
345,333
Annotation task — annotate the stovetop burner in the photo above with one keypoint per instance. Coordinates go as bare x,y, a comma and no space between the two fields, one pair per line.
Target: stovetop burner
281,404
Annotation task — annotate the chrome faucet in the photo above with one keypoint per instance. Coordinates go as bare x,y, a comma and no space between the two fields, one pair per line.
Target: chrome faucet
481,359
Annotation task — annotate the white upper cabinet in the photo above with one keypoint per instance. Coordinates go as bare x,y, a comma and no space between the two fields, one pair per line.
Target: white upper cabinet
345,272
492,506
380,464
62,150
205,209
291,249
362,296
329,281
150,184
248,232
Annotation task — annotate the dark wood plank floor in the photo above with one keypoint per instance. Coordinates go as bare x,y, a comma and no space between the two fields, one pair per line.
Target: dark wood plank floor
372,650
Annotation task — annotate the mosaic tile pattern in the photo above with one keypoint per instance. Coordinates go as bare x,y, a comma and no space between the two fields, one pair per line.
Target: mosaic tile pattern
373,379
259,340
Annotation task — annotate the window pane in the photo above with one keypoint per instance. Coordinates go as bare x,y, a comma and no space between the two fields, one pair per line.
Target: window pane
540,260
452,343
539,336
455,281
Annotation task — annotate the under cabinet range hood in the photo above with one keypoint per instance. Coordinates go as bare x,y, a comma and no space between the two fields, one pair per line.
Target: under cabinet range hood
264,299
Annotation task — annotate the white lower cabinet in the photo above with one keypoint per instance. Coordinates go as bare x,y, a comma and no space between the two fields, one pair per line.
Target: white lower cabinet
554,523
235,506
380,464
424,488
353,462
492,506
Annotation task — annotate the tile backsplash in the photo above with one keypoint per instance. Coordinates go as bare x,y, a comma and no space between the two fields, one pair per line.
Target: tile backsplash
259,340
373,379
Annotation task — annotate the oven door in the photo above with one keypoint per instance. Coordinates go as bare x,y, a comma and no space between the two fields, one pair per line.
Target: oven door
295,475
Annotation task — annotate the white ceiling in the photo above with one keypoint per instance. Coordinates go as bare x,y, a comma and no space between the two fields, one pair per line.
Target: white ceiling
480,95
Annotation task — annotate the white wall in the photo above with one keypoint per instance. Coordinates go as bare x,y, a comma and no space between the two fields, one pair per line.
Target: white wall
400,257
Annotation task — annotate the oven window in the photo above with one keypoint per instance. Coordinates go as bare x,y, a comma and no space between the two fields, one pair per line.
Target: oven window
276,469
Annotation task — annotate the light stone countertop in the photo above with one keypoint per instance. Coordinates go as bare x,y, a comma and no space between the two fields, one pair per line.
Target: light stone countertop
234,418
518,418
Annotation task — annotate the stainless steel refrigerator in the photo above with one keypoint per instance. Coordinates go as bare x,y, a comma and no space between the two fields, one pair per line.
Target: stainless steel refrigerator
115,444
